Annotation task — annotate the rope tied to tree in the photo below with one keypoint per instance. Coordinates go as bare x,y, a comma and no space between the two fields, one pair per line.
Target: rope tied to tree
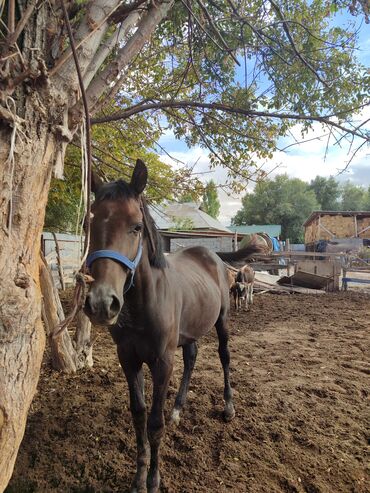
81,277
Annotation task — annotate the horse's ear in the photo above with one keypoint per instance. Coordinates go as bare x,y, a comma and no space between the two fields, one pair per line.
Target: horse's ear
96,182
139,176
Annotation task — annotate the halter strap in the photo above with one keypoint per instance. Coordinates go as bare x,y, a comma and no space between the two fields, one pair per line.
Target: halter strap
121,259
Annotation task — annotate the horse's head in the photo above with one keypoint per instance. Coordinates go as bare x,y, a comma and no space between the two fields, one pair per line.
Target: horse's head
115,243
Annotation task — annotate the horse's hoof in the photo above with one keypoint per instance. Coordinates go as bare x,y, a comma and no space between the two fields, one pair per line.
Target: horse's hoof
135,488
175,417
153,482
229,413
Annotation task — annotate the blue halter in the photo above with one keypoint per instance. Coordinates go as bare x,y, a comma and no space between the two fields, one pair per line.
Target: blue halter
121,259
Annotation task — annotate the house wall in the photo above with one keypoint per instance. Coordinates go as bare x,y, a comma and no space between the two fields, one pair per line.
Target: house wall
216,244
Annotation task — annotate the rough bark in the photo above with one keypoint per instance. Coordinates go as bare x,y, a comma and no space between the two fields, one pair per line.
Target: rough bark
22,338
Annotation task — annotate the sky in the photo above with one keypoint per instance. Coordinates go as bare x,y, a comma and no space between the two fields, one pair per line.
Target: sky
304,161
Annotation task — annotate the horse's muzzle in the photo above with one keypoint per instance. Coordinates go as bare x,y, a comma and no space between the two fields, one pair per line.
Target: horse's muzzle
102,305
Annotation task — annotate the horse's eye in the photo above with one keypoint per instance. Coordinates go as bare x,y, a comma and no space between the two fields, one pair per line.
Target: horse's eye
138,228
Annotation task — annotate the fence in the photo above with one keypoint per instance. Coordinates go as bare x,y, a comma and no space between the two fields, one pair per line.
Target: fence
62,253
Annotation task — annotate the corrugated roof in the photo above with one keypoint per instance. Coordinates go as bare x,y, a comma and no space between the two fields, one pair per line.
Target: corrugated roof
315,214
165,216
272,230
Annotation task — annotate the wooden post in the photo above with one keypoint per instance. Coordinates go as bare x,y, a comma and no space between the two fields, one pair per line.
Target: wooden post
235,241
287,249
63,357
59,262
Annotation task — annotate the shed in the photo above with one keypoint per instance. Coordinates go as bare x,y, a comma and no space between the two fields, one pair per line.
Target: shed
273,230
327,225
184,224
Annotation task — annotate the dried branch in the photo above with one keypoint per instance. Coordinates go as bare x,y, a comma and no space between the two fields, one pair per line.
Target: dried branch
12,38
11,15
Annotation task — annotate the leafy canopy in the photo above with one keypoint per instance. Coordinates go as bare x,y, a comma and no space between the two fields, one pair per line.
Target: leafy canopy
282,200
289,202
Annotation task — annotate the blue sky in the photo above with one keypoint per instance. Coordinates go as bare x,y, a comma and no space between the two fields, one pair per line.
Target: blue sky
305,161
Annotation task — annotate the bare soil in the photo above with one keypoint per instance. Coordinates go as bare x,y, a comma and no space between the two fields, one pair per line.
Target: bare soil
300,370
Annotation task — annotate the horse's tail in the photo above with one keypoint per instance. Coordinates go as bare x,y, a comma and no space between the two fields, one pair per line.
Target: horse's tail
242,254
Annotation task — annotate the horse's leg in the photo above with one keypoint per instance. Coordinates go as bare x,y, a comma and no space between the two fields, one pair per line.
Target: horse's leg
189,355
161,371
223,351
134,376
251,293
246,298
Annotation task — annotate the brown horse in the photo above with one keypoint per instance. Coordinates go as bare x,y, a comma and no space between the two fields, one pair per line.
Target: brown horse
153,305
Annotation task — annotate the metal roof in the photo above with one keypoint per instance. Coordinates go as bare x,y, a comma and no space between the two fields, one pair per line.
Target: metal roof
315,214
165,217
272,230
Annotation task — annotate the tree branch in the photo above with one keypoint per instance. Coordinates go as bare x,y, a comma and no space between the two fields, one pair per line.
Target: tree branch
89,35
112,74
124,10
13,36
139,108
293,45
107,47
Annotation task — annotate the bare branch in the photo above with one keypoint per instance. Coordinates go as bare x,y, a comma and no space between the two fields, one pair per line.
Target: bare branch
12,38
11,15
139,108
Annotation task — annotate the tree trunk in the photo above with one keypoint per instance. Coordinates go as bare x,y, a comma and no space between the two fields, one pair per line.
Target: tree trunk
23,181
35,127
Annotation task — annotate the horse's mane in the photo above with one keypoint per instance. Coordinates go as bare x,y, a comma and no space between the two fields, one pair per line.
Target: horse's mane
121,189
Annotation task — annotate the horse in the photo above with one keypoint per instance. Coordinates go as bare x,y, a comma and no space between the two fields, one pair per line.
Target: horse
244,282
152,304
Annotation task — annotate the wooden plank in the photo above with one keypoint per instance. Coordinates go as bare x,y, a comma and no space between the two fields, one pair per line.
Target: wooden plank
306,280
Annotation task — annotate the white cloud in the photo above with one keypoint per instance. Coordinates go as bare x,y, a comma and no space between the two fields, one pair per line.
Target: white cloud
304,160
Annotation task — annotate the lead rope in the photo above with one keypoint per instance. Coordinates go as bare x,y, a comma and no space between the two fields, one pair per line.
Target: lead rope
81,277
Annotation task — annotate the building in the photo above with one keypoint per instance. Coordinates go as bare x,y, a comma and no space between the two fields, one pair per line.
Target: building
272,230
326,226
183,225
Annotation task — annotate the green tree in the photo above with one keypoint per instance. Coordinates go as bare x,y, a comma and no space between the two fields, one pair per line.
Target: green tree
327,192
353,197
282,200
211,204
174,63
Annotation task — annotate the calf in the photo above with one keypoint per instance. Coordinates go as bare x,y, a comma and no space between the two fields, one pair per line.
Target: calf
245,277
239,292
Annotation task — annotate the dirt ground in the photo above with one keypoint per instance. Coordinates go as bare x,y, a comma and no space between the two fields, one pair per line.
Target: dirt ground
300,370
